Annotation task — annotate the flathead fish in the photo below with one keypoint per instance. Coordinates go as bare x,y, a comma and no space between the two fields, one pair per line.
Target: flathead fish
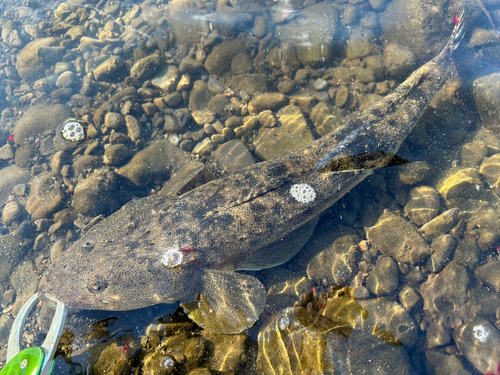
158,250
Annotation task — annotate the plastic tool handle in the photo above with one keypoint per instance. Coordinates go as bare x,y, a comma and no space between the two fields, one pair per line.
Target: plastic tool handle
16,332
55,332
49,344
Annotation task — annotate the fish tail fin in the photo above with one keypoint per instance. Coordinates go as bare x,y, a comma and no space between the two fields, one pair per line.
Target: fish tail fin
457,34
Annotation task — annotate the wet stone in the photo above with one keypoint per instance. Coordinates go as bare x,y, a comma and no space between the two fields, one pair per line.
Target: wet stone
114,120
337,263
326,118
467,253
293,133
203,117
473,153
241,64
6,152
440,224
459,184
184,179
45,196
268,101
24,155
437,335
86,163
396,237
383,279
409,297
205,147
479,341
492,142
357,46
267,119
367,354
486,92
229,351
133,128
199,96
12,211
146,67
173,100
489,274
442,363
167,79
252,83
116,155
490,168
219,60
388,316
342,96
25,280
96,194
153,164
37,56
446,291
110,70
399,61
190,66
443,247
312,33
414,173
423,205
38,120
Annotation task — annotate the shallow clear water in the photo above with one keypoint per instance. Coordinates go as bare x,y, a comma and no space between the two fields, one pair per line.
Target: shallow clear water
436,285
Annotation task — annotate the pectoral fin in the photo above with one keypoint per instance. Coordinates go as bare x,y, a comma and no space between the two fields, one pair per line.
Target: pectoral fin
280,251
229,302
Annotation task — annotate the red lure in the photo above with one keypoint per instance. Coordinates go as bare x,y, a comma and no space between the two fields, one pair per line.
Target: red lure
455,18
11,138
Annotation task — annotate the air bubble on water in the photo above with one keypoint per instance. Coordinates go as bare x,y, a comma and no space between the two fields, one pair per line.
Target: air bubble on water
303,193
73,131
480,332
284,322
167,363
171,258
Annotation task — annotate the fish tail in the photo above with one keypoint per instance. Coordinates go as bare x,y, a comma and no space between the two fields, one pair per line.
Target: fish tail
456,35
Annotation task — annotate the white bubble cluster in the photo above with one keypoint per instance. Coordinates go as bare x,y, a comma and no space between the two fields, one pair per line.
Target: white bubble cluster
303,193
73,131
284,322
480,332
171,258
167,363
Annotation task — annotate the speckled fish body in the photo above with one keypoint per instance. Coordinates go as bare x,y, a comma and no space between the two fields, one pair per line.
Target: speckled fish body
155,250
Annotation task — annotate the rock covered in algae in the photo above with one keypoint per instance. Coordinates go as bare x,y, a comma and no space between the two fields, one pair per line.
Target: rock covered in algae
294,341
332,333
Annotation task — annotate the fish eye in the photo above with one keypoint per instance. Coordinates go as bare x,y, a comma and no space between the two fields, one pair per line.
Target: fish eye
171,258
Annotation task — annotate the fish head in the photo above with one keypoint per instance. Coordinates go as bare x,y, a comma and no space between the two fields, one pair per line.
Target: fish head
120,276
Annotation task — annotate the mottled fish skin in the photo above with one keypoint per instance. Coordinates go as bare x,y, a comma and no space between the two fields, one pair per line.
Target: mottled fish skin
117,265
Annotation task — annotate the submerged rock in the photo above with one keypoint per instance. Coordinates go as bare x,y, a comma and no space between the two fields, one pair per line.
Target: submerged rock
398,238
312,33
155,163
96,194
39,120
486,92
37,56
293,133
